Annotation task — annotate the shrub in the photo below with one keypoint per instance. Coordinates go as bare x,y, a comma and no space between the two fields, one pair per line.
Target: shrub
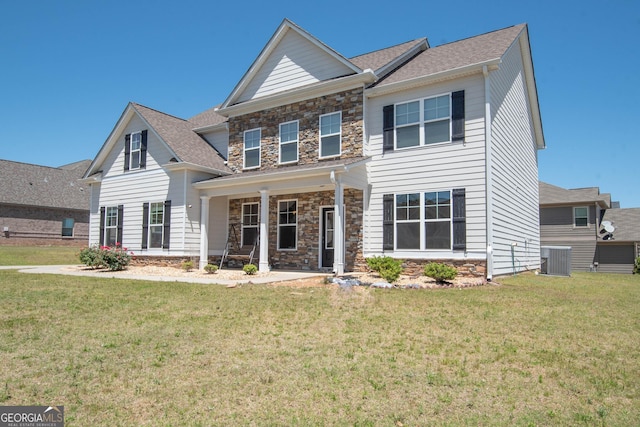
388,268
636,267
440,272
250,269
114,258
91,257
187,265
210,268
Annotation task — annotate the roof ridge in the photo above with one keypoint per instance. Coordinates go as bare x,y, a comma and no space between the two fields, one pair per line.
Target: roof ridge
37,165
479,35
388,47
158,111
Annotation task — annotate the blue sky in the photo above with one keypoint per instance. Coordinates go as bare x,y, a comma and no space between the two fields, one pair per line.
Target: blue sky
68,68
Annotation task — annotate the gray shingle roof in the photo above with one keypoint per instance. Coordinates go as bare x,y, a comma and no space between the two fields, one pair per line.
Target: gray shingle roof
553,195
474,50
178,134
207,118
379,58
34,185
626,223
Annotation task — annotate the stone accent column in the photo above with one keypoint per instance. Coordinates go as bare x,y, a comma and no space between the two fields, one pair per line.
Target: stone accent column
338,227
263,266
204,235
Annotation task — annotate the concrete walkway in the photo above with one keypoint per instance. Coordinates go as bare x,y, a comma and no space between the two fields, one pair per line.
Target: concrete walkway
271,277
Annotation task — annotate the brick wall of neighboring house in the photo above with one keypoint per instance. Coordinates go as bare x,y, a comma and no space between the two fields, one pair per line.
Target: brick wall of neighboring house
307,253
308,113
27,226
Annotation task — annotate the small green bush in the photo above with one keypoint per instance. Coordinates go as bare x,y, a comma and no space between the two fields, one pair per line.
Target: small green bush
388,268
210,268
250,269
636,267
91,257
187,265
440,272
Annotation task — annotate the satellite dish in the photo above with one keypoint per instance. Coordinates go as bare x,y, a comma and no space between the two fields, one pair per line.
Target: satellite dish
609,228
605,223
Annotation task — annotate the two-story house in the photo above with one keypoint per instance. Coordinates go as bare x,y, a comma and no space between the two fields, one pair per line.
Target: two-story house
602,236
420,153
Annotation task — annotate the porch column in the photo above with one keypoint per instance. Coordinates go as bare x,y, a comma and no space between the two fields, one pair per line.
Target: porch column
204,227
263,266
338,227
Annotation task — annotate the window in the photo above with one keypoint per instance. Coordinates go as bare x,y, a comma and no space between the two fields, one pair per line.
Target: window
289,142
252,148
424,221
287,224
437,216
425,121
250,223
67,227
156,225
330,134
111,226
135,150
581,216
136,146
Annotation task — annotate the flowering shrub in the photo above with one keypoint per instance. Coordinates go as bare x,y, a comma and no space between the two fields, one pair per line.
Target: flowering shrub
114,258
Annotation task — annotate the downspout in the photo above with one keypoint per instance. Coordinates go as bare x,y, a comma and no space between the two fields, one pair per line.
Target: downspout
184,214
488,171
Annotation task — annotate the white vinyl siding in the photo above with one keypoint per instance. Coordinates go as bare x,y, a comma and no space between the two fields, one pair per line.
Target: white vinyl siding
430,167
516,229
157,152
294,62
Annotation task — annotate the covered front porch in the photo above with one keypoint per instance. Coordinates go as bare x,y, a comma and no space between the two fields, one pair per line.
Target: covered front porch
301,218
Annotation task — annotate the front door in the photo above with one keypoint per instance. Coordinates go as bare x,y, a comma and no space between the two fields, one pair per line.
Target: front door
327,237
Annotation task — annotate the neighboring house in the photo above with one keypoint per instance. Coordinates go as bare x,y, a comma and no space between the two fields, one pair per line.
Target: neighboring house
43,205
601,238
419,153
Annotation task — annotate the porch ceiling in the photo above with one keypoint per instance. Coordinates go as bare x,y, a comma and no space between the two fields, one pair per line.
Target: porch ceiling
293,179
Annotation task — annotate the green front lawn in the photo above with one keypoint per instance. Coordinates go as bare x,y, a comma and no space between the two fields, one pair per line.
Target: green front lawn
38,255
531,351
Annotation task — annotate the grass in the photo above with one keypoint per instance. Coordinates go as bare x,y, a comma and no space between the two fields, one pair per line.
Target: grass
531,351
38,255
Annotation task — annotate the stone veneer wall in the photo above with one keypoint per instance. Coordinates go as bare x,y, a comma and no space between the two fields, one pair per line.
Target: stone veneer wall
308,114
306,256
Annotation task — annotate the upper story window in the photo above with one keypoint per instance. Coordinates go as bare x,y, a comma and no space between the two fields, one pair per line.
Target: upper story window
136,146
427,125
580,216
289,142
424,121
330,134
135,150
252,148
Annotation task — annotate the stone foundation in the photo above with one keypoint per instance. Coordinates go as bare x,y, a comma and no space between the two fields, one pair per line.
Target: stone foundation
415,267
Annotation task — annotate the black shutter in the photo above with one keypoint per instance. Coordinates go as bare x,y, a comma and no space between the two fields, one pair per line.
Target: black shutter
119,232
167,224
143,150
387,222
145,225
127,150
102,210
459,220
457,116
387,127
